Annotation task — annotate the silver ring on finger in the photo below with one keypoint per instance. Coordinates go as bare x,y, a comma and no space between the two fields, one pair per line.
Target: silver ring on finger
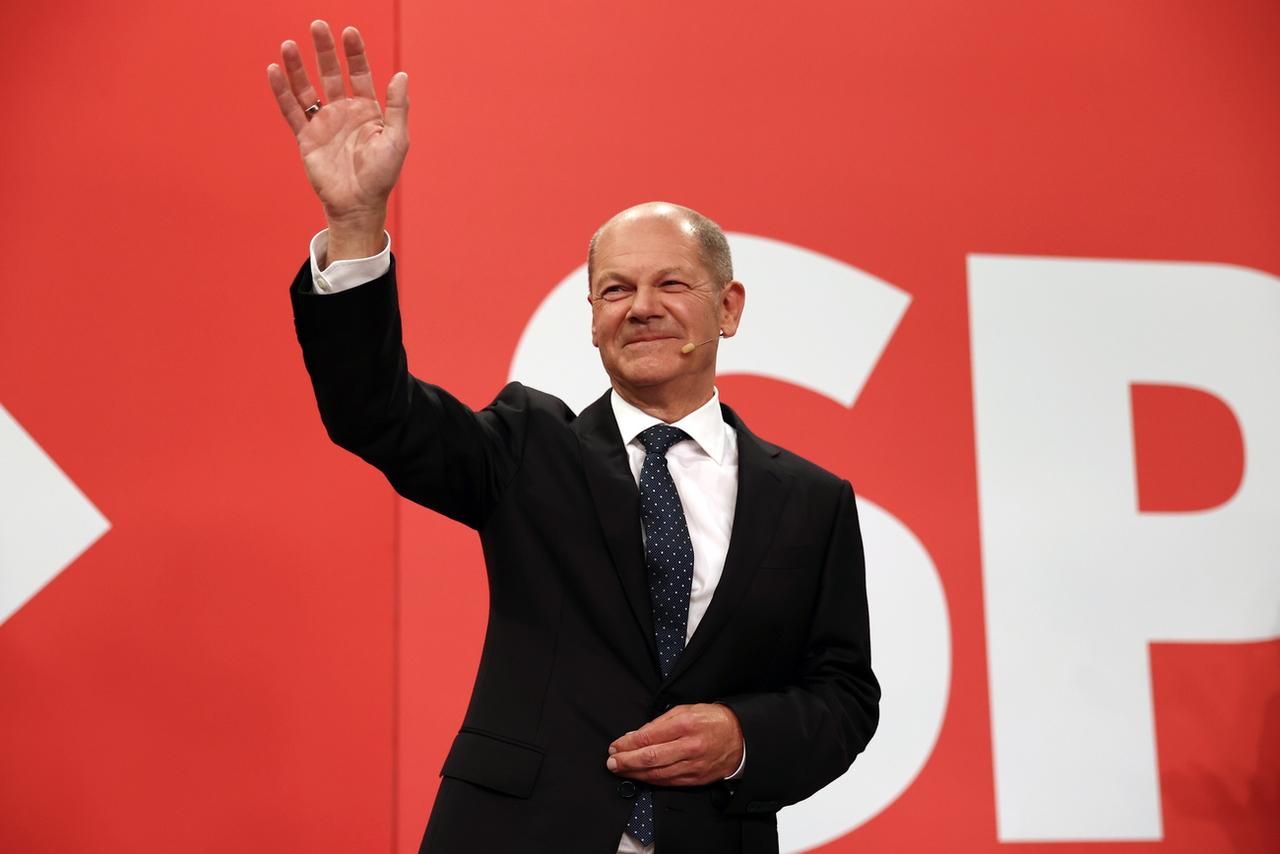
312,110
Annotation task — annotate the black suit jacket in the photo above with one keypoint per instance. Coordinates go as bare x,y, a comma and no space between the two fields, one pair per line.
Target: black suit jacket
569,660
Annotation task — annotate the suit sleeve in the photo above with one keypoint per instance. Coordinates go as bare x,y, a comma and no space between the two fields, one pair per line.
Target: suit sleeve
808,734
432,448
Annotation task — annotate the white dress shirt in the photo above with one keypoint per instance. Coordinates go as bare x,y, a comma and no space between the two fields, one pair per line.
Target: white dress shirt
704,467
705,471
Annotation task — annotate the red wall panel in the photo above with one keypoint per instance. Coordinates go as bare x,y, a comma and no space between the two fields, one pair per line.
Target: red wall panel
216,672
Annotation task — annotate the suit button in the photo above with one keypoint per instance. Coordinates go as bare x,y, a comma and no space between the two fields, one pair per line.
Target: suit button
627,789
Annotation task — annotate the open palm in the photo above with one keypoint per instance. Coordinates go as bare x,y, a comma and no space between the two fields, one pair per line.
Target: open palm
351,149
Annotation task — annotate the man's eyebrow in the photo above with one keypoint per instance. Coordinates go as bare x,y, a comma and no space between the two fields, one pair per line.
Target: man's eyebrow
665,273
604,275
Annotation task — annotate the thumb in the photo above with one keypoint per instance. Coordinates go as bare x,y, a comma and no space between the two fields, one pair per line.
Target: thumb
397,113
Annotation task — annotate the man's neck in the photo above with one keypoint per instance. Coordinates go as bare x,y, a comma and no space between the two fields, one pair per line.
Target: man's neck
664,404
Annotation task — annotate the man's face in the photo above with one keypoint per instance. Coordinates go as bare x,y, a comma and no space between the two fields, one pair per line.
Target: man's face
651,293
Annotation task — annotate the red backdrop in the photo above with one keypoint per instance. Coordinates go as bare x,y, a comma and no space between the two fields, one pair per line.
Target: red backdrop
262,653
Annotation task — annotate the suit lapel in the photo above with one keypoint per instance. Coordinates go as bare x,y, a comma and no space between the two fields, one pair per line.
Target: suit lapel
762,491
617,504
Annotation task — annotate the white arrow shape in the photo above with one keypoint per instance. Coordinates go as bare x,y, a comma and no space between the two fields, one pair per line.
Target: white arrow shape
46,522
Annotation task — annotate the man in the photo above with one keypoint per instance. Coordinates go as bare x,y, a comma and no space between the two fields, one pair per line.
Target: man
677,643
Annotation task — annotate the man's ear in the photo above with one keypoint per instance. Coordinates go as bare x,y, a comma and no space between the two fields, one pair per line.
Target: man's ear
592,303
733,298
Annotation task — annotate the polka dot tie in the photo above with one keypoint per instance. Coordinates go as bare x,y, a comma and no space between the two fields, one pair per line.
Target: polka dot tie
668,554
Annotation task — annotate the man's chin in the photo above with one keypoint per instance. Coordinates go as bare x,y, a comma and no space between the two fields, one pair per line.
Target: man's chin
647,373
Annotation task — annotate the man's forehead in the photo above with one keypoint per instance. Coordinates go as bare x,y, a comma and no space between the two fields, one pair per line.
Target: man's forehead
645,242
651,256
648,239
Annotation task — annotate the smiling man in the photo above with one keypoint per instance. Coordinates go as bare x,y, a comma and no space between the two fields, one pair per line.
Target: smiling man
661,293
677,643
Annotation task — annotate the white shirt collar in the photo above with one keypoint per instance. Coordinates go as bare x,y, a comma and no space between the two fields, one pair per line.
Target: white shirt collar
705,425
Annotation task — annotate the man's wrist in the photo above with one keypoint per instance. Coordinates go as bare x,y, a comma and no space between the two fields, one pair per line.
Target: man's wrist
742,740
355,235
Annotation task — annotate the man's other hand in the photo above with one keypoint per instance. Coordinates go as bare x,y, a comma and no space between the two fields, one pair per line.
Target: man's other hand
686,746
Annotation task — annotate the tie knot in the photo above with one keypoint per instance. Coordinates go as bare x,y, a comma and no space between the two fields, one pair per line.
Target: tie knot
659,438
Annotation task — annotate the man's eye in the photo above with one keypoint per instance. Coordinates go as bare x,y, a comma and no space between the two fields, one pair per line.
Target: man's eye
613,292
673,282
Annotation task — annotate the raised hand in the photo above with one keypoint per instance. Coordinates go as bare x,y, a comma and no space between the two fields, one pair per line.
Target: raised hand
352,150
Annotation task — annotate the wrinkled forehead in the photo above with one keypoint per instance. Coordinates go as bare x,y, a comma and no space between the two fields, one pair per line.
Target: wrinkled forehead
643,245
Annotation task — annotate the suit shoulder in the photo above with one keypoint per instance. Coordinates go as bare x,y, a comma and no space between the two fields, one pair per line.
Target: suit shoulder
809,471
804,470
538,404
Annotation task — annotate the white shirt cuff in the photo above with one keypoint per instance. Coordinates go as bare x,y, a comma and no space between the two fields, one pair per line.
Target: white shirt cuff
342,275
743,764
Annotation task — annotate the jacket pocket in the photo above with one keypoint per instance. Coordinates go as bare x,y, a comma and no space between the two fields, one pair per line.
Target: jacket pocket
493,762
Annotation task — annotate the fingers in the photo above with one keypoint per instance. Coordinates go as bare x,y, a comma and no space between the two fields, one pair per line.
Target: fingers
655,756
331,74
285,98
299,83
647,736
668,726
327,59
686,761
396,114
357,65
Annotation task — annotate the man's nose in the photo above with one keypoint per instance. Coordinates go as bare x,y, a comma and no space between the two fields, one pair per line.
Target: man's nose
646,303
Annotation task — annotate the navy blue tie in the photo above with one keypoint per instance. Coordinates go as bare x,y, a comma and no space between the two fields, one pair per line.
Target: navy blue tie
668,554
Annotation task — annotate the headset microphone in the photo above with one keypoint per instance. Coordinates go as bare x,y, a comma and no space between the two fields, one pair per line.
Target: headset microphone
690,347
